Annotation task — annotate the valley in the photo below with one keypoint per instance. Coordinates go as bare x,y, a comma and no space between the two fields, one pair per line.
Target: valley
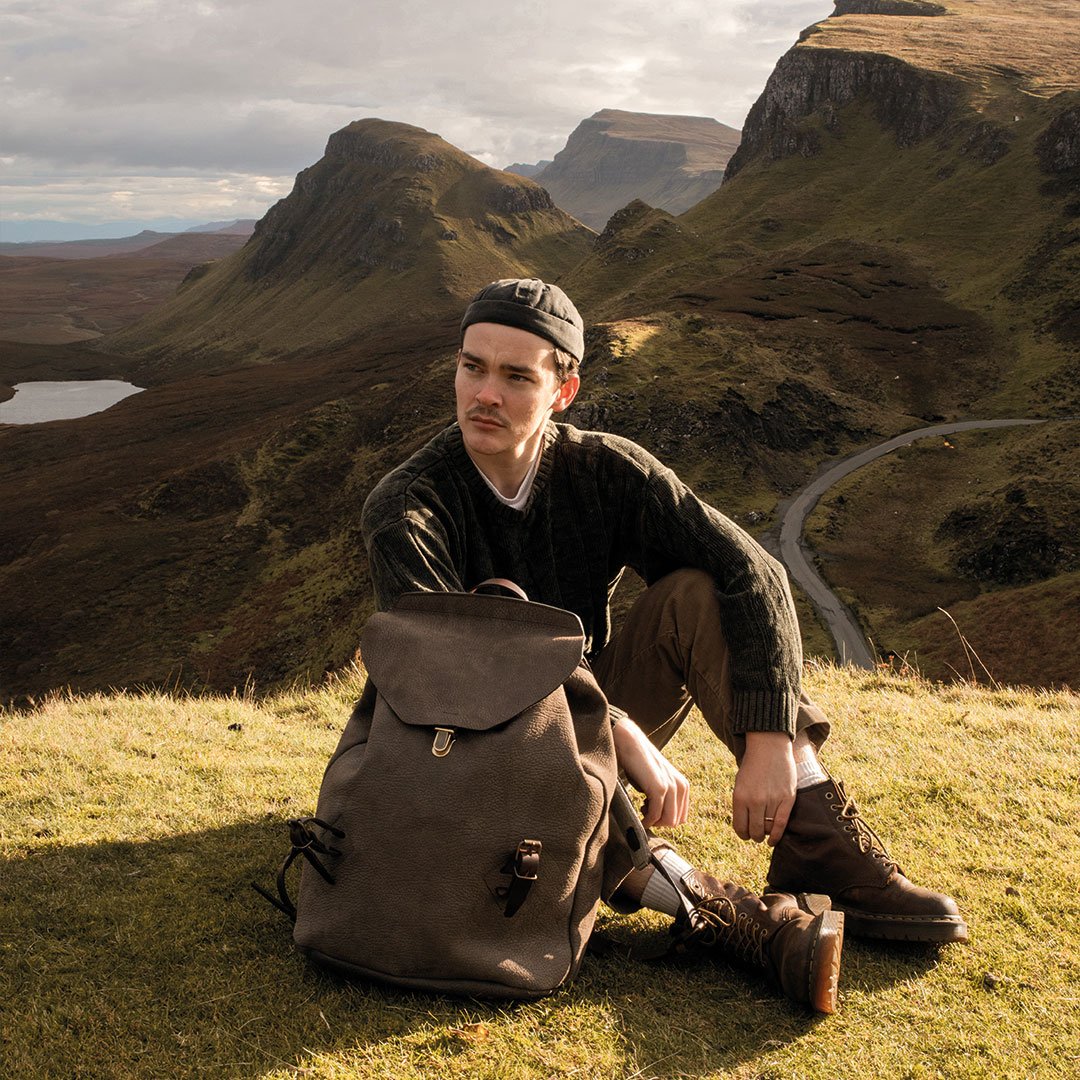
896,245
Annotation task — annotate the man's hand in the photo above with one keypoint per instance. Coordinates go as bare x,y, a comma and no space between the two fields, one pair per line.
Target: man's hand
666,790
764,787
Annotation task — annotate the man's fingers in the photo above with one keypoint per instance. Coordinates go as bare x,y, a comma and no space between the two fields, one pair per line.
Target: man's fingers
758,827
776,827
684,800
740,818
668,803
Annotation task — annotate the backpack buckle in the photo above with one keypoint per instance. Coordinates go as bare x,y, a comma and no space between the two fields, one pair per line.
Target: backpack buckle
527,860
444,739
525,864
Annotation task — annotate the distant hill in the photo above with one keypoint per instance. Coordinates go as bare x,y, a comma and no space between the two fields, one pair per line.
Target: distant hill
392,224
193,247
521,169
86,249
614,157
240,226
122,245
57,301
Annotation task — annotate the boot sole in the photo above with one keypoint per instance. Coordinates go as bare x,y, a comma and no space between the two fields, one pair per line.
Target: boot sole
825,962
941,931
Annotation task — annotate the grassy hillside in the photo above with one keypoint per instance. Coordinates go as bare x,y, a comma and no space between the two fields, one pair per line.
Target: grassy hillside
982,524
134,947
896,243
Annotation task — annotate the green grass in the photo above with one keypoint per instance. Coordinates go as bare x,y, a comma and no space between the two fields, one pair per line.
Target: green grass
133,947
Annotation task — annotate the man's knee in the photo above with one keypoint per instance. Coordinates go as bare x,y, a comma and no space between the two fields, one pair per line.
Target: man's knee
685,598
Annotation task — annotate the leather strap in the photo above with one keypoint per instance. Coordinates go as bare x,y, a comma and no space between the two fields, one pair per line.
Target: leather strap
525,864
306,843
502,583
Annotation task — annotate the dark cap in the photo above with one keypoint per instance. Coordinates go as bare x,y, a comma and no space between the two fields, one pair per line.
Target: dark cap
530,304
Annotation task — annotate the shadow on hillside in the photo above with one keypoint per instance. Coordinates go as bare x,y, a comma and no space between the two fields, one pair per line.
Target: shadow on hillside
157,958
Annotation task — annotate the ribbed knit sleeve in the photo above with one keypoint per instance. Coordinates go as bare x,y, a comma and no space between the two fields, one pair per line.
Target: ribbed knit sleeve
409,555
410,532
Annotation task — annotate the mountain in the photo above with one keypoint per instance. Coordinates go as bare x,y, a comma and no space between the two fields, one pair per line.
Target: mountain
614,157
392,224
521,169
897,241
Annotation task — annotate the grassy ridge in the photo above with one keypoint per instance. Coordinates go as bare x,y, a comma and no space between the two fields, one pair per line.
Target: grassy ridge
133,947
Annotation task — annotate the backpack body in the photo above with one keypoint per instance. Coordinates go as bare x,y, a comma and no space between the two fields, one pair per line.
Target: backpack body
469,795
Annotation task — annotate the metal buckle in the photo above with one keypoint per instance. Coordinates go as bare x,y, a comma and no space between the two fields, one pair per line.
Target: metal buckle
527,860
444,739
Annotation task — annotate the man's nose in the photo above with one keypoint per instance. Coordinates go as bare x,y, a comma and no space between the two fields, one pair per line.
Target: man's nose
488,393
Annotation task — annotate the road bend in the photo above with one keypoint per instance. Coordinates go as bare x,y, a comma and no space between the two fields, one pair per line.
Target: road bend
851,643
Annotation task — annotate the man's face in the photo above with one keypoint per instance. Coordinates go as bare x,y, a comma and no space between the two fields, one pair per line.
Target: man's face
507,388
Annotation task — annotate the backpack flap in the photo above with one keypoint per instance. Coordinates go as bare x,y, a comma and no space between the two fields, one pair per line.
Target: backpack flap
475,660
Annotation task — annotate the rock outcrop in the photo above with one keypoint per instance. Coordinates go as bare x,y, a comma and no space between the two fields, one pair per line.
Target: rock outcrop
911,103
614,157
887,7
1058,148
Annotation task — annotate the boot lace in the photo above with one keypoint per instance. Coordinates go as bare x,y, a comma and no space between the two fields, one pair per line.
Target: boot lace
716,921
867,840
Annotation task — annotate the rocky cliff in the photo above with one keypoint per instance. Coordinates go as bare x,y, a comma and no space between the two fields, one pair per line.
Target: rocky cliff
899,234
392,223
614,157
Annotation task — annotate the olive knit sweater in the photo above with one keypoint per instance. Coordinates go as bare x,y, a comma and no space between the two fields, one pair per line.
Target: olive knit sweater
599,503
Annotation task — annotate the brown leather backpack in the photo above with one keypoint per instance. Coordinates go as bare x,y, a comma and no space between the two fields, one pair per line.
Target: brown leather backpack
459,837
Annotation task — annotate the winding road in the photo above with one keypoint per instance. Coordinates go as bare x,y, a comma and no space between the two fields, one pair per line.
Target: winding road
851,644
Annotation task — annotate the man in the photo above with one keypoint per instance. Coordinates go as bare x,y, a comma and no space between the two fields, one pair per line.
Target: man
506,492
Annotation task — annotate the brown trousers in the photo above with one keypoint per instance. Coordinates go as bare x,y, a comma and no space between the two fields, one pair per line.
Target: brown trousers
669,655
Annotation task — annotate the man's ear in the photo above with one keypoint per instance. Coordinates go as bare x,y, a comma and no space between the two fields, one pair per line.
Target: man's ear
567,392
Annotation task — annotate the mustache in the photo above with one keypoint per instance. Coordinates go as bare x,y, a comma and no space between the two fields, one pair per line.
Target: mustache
478,412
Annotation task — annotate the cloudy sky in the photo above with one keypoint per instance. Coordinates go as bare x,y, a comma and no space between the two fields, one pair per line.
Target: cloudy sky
199,110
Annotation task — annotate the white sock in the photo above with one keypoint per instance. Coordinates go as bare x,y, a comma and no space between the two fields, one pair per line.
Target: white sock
808,770
658,894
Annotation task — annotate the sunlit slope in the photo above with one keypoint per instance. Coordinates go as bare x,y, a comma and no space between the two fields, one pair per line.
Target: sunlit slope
392,225
895,243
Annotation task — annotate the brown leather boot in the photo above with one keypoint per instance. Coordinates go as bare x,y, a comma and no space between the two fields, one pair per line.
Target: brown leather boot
828,848
799,953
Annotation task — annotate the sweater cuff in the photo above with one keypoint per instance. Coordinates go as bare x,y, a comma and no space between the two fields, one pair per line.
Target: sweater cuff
764,711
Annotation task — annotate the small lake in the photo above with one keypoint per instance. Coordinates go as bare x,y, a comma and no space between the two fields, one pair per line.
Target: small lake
36,402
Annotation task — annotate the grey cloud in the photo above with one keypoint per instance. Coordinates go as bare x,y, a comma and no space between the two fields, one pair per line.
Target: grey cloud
257,85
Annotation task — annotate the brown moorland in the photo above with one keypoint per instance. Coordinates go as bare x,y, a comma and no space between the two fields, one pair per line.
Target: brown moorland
891,247
60,300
